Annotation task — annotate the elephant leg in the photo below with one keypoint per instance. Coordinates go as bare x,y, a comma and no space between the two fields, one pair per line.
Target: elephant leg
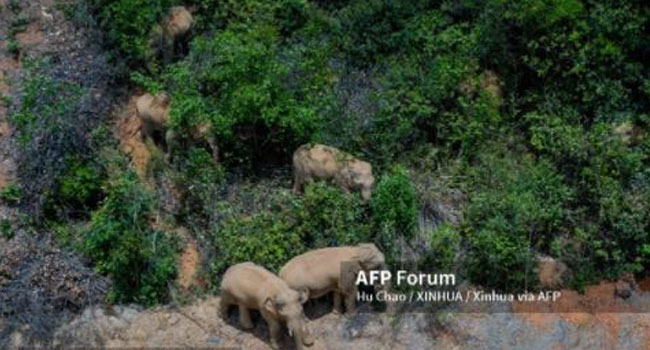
297,184
245,317
170,139
338,308
146,130
274,329
350,302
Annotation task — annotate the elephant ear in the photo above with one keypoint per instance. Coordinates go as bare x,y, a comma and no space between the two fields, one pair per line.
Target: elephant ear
271,305
303,295
349,272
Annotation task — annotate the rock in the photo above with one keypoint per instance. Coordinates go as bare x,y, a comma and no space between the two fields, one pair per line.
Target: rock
550,272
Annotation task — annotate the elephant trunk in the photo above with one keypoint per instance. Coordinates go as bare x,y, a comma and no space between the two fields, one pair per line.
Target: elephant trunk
366,192
300,336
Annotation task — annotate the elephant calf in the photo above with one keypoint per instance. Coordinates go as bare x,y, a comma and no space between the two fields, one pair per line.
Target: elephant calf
154,113
332,270
251,286
320,162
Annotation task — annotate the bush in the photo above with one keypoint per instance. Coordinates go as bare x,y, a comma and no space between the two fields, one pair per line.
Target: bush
394,212
10,194
201,177
288,15
445,249
286,226
78,190
261,239
375,28
122,245
234,82
328,217
128,23
6,230
517,205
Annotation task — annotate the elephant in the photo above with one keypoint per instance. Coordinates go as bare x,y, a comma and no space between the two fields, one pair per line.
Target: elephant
154,113
320,162
335,270
250,286
169,37
178,22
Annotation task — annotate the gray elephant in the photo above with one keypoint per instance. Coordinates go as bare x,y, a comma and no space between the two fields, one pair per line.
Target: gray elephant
332,270
320,162
251,286
153,111
169,37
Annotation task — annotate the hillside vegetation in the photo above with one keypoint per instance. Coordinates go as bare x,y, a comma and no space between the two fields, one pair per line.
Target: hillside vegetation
497,130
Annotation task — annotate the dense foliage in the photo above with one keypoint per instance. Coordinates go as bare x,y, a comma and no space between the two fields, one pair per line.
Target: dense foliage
121,244
323,217
394,212
530,117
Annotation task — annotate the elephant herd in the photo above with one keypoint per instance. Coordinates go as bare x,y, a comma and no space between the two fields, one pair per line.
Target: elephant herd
311,162
279,299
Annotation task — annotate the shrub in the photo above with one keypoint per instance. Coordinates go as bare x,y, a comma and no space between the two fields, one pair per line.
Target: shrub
78,189
234,81
413,94
517,205
374,28
264,239
10,194
6,230
121,244
286,225
509,259
328,217
286,14
394,212
128,23
445,249
201,178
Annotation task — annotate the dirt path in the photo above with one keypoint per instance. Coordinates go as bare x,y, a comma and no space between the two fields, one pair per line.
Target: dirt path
9,67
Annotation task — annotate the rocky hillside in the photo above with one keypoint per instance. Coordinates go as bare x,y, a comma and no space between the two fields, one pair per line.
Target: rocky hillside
508,144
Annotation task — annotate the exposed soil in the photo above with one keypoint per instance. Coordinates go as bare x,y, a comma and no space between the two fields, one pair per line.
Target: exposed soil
189,262
128,131
31,37
8,70
644,284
